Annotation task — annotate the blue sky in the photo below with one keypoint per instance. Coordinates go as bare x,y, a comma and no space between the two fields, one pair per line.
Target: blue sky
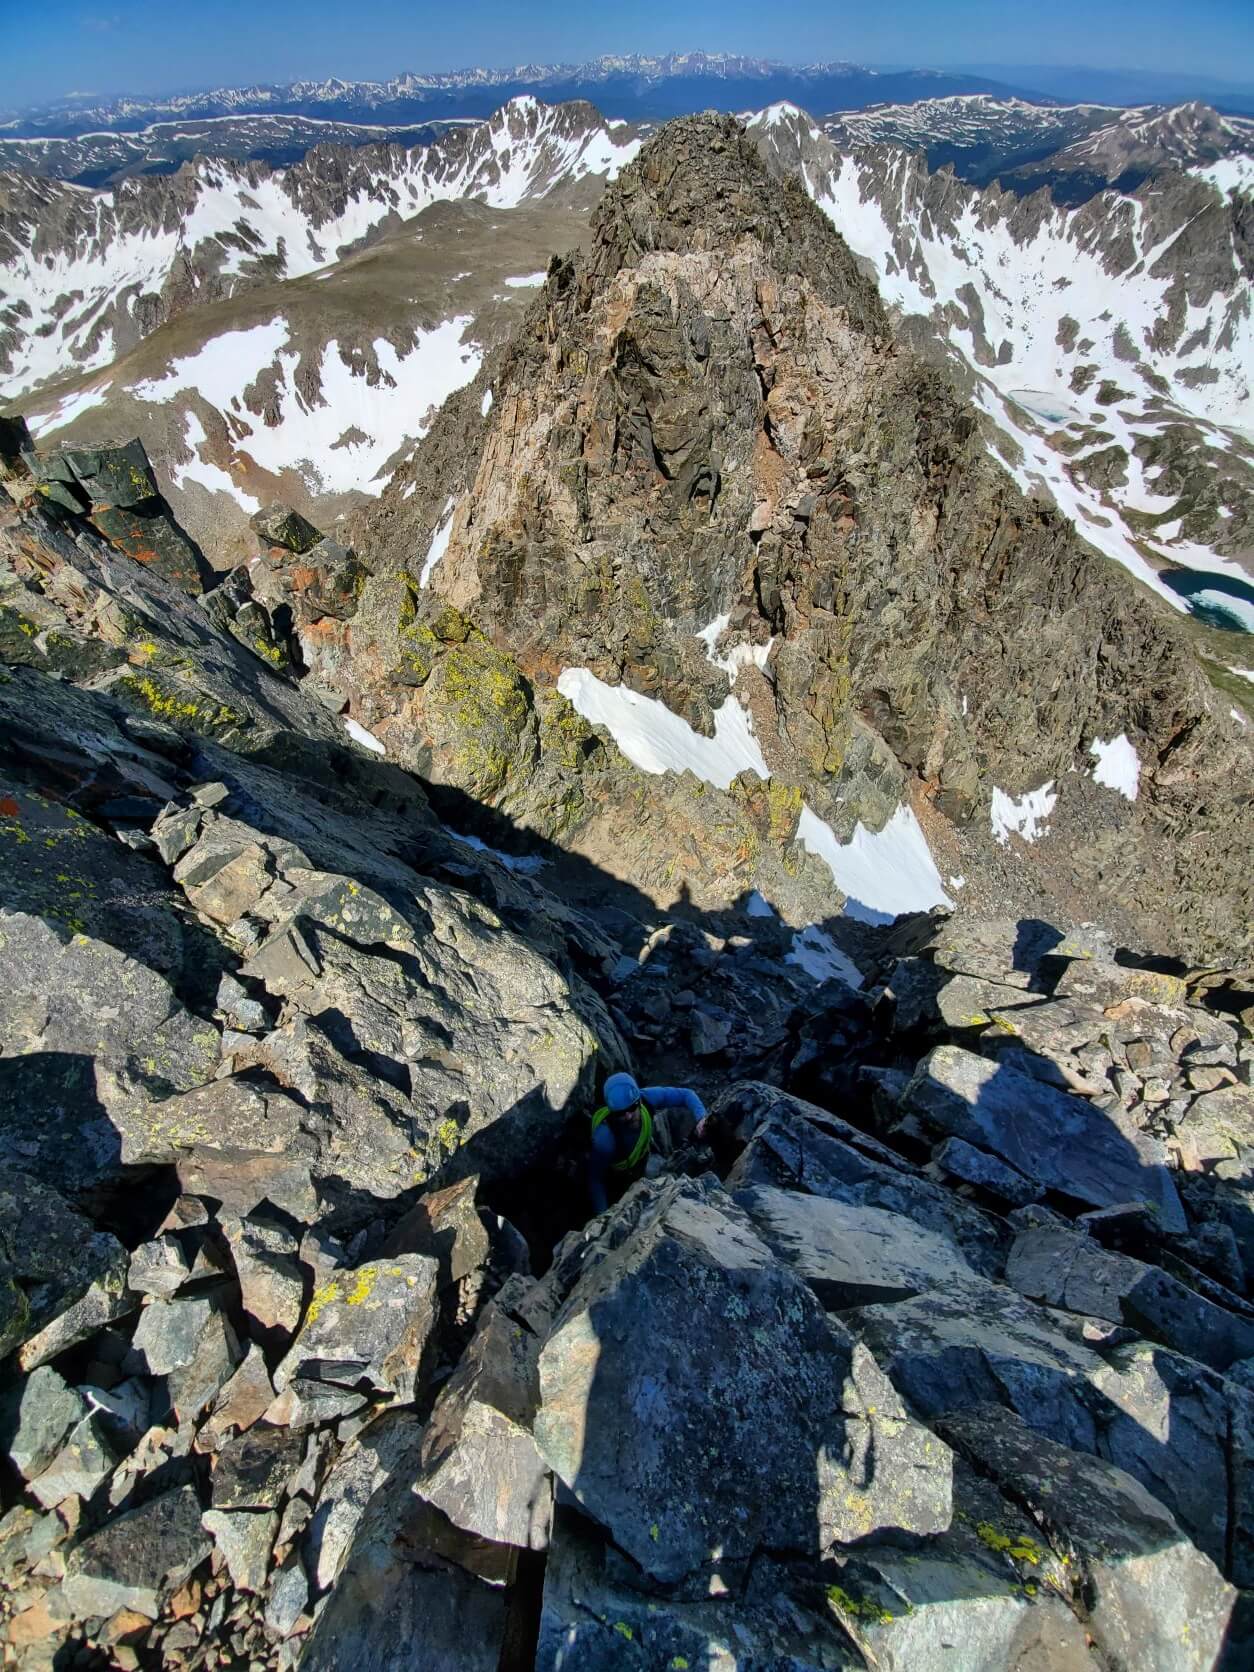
53,47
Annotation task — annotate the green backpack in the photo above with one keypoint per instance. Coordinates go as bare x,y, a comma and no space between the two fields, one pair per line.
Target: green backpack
641,1147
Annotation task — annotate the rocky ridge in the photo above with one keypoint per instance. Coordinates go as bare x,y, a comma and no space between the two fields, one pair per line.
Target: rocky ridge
944,1334
709,462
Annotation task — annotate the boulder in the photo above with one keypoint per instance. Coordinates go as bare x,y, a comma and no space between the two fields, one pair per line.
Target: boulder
386,1449
280,525
986,1593
240,1402
38,1416
851,1255
594,1617
962,1161
138,1559
480,1465
1150,1599
60,1278
1068,1269
1173,1424
159,1267
119,475
408,1580
798,1146
80,1467
1217,1134
244,1539
661,1439
272,1283
368,1324
1061,1142
253,1469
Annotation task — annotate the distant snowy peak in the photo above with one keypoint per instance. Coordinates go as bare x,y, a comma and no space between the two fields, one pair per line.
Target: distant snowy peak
84,275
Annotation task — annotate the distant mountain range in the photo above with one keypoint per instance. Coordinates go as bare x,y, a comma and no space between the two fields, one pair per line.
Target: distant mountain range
635,87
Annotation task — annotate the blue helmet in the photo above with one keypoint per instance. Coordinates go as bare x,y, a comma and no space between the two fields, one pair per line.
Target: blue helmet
621,1092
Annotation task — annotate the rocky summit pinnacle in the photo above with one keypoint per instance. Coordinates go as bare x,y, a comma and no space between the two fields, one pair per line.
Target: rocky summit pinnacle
691,697
707,427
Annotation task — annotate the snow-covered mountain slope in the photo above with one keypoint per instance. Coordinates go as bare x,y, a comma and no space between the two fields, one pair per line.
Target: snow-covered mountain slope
1076,150
103,158
311,390
85,275
1111,347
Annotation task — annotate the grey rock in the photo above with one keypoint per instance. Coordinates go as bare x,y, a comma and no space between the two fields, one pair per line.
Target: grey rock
1151,1600
240,1402
60,1278
195,1385
410,1578
965,1162
80,1467
986,1593
1053,1138
796,1145
480,1465
661,1440
380,1314
1168,1421
253,1470
1068,1269
1217,1133
280,525
159,1267
38,1417
389,1448
137,1559
851,1255
169,1332
289,1596
245,1539
932,1001
597,1616
271,1281
445,1225
305,1403
246,1014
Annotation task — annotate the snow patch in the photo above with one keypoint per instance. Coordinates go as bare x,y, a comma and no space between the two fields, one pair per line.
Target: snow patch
658,741
206,474
1027,816
485,405
525,865
814,951
439,543
1118,765
882,873
359,734
67,409
526,281
757,905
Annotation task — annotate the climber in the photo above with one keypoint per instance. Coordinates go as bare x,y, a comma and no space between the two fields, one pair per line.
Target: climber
633,1122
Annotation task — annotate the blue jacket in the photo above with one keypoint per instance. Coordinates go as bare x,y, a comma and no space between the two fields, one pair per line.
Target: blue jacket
607,1147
